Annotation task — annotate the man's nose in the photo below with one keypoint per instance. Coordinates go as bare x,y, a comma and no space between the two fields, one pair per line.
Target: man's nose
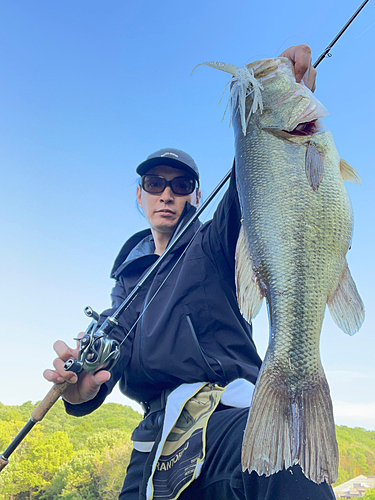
167,194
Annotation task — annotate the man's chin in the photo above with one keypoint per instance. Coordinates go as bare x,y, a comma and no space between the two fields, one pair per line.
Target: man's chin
165,221
166,227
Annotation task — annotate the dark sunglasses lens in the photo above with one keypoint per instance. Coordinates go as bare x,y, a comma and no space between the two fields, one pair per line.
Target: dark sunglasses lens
183,185
153,183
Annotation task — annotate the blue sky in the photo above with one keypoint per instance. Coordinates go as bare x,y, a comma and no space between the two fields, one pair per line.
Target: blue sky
87,90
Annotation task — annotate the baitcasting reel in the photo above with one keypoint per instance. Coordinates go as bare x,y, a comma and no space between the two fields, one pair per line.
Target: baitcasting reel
96,350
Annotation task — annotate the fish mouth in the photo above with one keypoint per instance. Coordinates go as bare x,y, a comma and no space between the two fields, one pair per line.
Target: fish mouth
307,128
302,131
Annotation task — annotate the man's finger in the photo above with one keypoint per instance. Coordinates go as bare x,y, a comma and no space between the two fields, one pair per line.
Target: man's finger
302,61
300,56
70,377
101,377
309,79
63,351
52,376
79,336
90,384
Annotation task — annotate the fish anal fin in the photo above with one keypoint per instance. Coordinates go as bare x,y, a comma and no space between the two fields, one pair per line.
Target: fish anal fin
348,173
345,304
250,290
287,427
314,165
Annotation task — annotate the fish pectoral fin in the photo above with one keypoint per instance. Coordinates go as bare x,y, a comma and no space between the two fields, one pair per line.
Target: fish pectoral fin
314,165
348,173
345,304
250,291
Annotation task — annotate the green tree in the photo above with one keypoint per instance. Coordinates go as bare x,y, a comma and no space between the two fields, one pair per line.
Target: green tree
64,457
32,469
370,495
357,452
95,471
111,470
79,480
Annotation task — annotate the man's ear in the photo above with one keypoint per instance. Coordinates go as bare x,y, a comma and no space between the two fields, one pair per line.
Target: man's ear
198,199
139,195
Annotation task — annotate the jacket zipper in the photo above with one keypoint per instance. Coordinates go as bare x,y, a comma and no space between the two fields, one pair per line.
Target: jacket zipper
204,354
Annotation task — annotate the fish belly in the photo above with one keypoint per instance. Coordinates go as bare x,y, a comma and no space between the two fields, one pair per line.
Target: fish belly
296,240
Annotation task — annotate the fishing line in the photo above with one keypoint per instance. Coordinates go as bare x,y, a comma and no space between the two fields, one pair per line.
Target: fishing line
102,335
208,213
326,53
364,31
255,57
111,322
293,36
158,289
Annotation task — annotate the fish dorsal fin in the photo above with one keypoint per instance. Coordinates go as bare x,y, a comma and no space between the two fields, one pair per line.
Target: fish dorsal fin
314,165
345,304
348,173
249,291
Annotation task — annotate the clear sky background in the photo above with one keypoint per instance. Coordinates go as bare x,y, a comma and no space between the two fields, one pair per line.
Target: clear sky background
88,89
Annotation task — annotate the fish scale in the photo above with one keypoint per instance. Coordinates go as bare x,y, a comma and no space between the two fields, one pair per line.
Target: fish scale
296,231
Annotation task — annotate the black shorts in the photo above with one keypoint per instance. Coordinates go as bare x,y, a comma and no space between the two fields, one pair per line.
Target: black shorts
222,478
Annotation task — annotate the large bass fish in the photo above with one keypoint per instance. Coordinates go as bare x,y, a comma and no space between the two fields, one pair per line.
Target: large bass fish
296,231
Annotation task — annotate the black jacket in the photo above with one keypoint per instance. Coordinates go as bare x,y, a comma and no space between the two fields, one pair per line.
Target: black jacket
192,329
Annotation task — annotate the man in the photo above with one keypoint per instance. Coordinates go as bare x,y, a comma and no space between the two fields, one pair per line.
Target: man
190,342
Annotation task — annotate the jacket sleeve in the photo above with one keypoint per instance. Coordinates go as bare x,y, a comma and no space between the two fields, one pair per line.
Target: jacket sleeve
119,333
225,227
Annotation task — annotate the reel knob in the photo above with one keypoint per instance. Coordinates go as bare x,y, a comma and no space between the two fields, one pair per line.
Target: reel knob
96,350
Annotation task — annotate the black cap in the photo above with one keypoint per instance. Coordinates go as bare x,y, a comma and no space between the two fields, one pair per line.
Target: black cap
171,158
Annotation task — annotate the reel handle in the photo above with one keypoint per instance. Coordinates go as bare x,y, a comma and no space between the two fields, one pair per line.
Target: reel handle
91,313
96,350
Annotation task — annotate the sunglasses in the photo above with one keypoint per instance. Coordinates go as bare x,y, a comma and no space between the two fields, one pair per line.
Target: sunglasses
155,184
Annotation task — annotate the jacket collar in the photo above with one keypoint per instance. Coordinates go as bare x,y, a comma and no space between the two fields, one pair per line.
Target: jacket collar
139,249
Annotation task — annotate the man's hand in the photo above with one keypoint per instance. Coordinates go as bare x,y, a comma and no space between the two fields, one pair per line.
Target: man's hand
300,56
85,386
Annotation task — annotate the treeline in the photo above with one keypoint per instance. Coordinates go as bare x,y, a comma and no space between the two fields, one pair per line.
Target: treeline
357,452
65,457
68,458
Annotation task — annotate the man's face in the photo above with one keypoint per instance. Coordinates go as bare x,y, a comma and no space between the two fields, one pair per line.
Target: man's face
163,210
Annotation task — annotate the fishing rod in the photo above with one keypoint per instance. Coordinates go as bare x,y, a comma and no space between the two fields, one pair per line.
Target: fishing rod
97,351
326,51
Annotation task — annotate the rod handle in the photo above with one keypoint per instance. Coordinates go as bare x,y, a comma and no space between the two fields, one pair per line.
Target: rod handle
49,400
3,463
46,404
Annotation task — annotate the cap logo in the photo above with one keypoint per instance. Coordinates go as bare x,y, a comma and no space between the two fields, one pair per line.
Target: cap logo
168,153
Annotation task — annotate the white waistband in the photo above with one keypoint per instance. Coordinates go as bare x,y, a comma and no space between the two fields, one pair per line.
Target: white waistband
237,394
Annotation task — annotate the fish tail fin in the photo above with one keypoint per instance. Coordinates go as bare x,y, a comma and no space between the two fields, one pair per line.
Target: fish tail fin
250,292
345,304
287,427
